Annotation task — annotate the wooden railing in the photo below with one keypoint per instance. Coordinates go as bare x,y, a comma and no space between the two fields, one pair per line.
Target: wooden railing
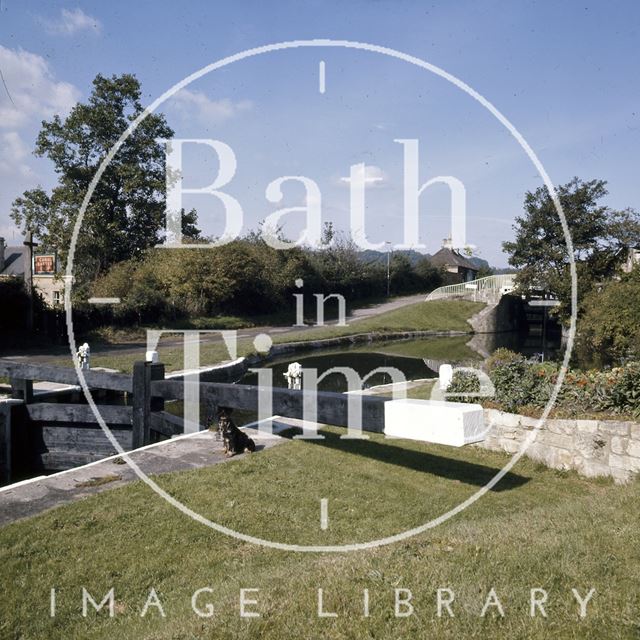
65,434
332,408
49,373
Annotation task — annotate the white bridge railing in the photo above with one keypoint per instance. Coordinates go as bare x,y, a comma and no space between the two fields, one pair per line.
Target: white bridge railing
501,284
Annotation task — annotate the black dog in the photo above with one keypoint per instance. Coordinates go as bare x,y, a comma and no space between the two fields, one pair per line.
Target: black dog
235,441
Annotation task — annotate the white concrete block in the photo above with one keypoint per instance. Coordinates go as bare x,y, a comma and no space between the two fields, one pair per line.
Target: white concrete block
451,423
152,356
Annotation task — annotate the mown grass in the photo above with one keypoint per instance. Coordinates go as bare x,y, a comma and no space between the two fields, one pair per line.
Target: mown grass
421,391
439,315
280,318
537,528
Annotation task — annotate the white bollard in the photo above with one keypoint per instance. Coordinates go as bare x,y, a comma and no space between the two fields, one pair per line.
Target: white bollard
445,375
83,354
294,375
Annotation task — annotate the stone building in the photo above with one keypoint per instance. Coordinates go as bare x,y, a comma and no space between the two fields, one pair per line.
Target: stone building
457,268
46,277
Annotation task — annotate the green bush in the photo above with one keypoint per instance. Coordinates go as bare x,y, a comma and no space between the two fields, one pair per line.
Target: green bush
621,388
463,382
521,384
249,278
608,329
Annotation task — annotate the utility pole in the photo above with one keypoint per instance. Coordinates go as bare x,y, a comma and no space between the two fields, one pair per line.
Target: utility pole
388,267
28,275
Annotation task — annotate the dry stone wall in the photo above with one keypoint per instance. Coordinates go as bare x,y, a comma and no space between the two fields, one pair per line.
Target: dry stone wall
591,447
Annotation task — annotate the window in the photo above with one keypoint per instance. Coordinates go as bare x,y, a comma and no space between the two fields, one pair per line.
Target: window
57,298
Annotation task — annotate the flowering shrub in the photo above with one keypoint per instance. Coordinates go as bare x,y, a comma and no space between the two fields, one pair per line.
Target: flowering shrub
463,382
619,390
520,383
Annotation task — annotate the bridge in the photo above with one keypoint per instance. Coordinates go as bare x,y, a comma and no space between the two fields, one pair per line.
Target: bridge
488,289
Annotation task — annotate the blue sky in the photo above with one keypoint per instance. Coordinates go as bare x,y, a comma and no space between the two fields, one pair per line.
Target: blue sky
565,74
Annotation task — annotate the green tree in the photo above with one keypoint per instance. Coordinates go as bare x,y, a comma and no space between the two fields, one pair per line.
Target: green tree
430,277
190,230
403,277
598,233
608,331
125,215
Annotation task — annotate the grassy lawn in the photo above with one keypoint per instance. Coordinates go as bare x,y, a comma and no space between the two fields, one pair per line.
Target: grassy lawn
421,391
537,528
276,319
441,315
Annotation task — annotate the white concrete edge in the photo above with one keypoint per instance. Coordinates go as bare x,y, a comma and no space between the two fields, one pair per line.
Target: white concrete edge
215,367
406,385
62,389
255,425
21,483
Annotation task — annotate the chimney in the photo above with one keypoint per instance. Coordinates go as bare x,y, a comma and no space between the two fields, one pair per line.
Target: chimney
447,243
2,248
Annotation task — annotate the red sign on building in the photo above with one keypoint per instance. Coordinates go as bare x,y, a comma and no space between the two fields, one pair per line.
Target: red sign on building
44,264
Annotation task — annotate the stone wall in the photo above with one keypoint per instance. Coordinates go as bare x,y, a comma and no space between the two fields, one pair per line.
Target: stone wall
505,314
591,447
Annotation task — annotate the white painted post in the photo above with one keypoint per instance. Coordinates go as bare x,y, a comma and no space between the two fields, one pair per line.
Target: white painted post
294,375
83,355
445,375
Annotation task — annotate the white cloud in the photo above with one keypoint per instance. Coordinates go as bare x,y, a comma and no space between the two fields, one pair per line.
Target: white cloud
30,91
13,152
10,233
29,94
71,21
190,104
373,176
12,142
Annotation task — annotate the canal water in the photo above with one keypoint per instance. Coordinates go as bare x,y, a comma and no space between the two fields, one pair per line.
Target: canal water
415,359
362,363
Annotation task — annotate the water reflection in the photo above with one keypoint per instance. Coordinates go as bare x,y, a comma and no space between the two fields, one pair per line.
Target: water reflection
362,363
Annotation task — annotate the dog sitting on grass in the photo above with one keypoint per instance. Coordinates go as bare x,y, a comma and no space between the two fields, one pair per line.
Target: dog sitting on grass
235,441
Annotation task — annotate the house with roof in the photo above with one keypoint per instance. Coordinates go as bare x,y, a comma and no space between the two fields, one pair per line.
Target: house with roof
14,263
457,268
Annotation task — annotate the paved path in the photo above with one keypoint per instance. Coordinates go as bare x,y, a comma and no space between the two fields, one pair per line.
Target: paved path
376,310
194,451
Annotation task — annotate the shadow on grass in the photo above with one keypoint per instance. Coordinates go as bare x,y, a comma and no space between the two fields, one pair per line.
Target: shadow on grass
443,466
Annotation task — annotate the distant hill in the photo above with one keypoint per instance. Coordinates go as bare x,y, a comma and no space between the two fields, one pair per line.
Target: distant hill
415,257
504,270
479,263
381,256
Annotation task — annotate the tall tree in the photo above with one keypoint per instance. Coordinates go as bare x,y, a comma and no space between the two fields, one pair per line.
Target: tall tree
126,211
598,234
